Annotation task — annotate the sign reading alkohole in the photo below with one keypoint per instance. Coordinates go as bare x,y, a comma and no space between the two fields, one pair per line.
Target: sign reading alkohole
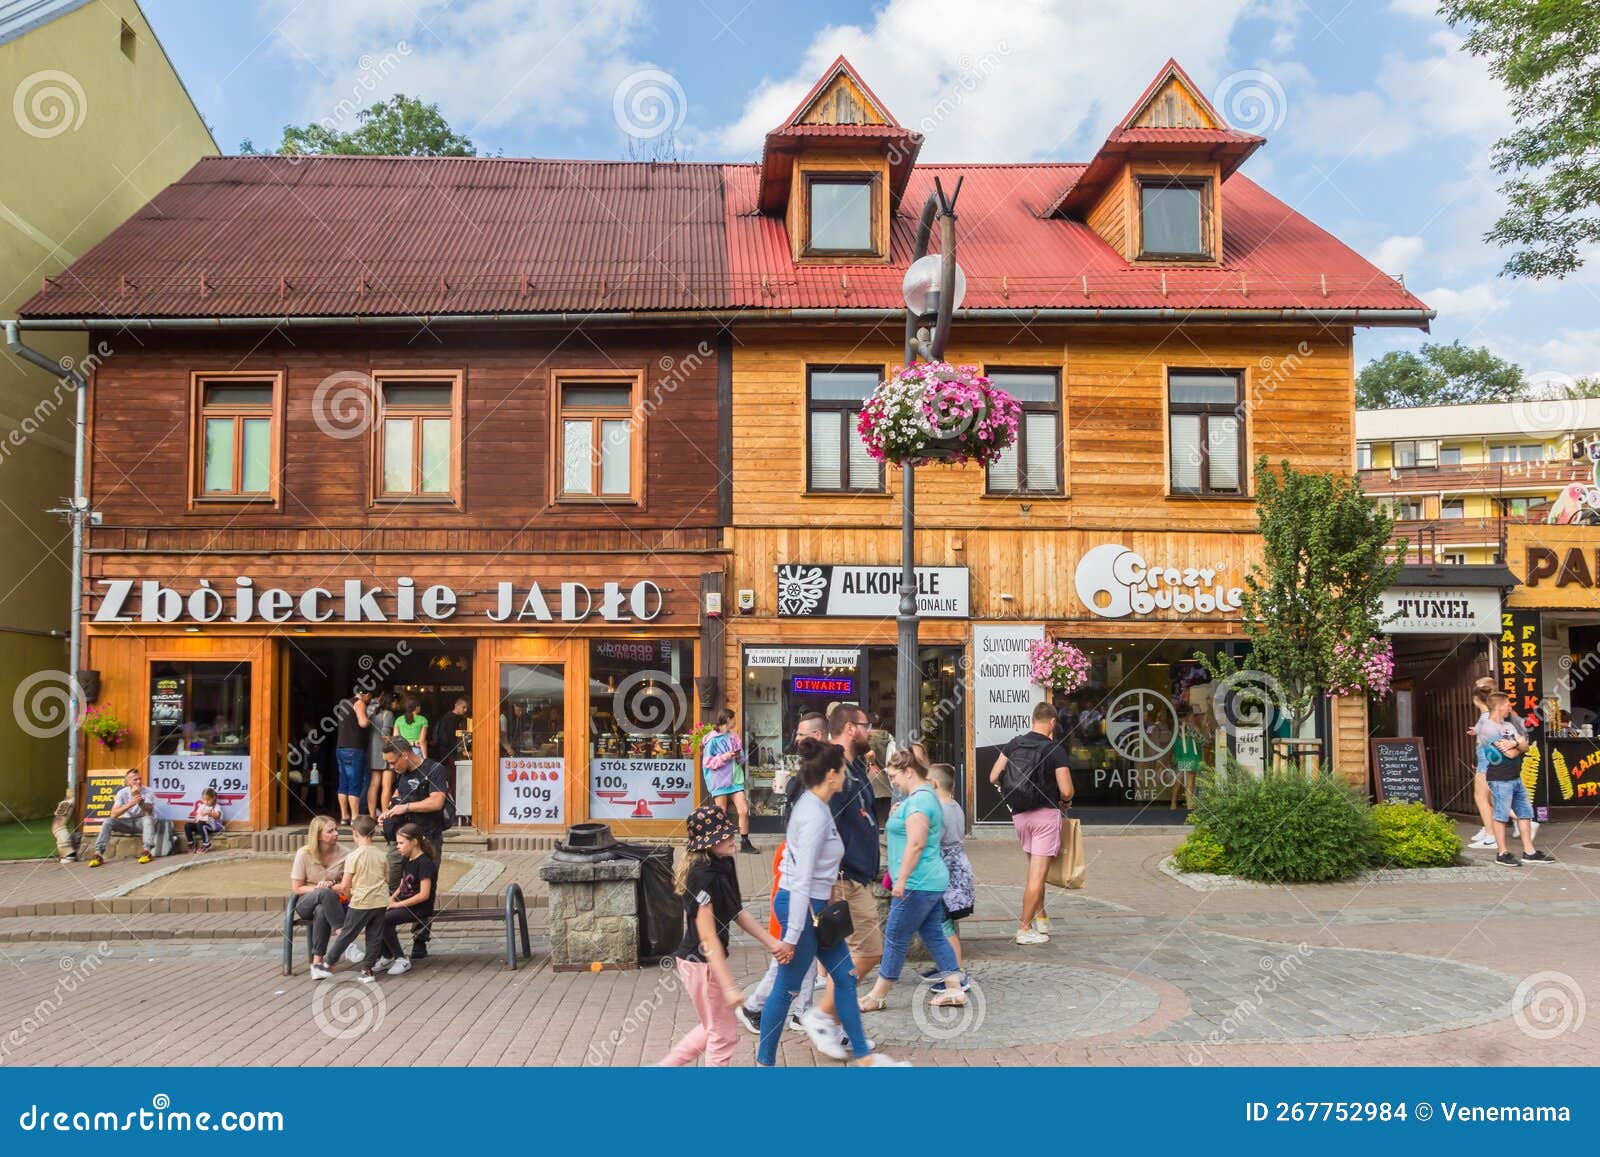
811,590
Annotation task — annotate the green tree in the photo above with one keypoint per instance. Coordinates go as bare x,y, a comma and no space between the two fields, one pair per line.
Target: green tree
1438,375
1543,52
1312,603
401,126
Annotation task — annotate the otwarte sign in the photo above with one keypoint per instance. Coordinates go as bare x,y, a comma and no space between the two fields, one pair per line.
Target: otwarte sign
868,592
1441,610
357,601
177,781
1115,582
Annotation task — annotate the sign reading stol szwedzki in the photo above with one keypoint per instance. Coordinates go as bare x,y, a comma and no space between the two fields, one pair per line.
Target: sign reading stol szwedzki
1400,771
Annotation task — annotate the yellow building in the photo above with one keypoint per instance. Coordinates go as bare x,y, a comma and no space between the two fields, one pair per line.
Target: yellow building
1455,476
98,122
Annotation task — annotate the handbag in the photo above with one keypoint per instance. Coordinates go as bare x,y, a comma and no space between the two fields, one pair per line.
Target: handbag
1066,870
832,924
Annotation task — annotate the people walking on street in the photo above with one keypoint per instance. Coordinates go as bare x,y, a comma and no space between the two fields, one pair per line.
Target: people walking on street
723,764
205,819
364,882
1504,775
960,898
708,881
1035,783
412,726
133,812
314,879
815,855
381,715
413,900
1510,747
350,752
919,880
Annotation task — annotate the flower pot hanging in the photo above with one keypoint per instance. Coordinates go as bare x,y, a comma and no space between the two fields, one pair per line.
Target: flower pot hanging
936,412
1058,665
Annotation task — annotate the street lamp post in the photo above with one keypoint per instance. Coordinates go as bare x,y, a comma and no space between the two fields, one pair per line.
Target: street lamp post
933,288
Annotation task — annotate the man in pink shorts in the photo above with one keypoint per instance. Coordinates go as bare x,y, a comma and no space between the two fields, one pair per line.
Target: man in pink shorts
1035,783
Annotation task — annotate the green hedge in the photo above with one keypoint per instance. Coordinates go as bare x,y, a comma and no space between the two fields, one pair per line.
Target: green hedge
1411,836
1201,852
1284,826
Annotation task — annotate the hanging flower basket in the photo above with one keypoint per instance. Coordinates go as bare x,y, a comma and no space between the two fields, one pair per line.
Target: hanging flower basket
1058,665
937,412
1363,668
103,724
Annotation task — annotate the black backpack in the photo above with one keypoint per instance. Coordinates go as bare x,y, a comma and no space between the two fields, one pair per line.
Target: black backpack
1026,784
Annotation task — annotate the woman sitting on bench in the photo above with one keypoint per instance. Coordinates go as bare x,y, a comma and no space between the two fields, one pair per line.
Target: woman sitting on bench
318,867
413,900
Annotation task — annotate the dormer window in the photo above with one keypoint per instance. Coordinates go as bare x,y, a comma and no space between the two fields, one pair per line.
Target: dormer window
840,210
1174,219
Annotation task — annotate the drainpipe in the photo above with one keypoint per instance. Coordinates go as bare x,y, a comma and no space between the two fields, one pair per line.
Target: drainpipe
77,514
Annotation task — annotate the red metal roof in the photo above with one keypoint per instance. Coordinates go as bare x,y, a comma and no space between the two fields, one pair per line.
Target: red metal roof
1181,136
330,236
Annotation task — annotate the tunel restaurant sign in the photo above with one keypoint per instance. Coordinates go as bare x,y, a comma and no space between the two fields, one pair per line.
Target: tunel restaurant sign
357,601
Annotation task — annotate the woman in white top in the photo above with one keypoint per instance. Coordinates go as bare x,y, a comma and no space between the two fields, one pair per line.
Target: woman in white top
806,876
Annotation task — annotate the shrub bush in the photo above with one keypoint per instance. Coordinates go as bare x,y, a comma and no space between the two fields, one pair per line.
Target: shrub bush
1201,852
1411,836
1285,826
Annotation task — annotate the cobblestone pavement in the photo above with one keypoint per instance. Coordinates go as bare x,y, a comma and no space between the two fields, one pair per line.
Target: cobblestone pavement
1490,967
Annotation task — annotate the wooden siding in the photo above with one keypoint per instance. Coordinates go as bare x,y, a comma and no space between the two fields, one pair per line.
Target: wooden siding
1299,394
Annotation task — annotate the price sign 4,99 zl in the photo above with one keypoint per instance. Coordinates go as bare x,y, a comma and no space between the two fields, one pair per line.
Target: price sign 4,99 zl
533,791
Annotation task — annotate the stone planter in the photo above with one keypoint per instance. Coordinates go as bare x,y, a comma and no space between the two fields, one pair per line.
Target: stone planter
594,913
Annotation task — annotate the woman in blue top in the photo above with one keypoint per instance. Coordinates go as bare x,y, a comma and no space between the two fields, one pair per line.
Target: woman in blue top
919,880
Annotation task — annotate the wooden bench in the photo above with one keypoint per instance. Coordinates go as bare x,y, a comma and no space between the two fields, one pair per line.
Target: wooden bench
513,913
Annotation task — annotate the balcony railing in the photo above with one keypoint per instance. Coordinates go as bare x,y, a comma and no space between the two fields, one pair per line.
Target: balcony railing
1425,535
1483,477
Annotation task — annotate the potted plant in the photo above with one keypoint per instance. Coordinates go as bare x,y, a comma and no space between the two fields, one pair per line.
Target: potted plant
103,724
1363,667
937,412
1058,665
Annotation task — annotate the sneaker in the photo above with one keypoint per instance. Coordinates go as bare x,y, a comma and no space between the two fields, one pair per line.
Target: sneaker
1041,924
320,972
366,976
796,1024
355,954
146,856
936,978
750,1018
824,1034
880,1061
1482,840
96,860
1507,860
746,846
1029,936
381,963
398,968
1537,858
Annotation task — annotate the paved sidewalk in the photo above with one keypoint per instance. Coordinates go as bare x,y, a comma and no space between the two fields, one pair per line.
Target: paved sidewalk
1471,970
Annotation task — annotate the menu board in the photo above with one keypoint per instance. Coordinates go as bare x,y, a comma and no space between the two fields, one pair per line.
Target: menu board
641,789
1400,771
533,790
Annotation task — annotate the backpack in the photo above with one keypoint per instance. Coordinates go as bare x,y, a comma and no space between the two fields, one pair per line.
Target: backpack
1026,784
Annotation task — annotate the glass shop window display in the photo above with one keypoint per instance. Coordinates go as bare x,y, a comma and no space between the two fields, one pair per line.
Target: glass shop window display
641,711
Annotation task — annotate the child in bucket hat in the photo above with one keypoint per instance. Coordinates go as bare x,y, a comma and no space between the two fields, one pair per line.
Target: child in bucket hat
709,885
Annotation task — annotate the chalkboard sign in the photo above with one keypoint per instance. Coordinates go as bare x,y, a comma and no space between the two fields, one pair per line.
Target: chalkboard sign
1400,771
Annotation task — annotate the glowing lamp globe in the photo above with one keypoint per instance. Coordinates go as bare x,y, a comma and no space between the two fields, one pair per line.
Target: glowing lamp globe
922,285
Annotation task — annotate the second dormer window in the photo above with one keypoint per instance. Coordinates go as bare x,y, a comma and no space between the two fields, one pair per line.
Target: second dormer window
1173,221
839,215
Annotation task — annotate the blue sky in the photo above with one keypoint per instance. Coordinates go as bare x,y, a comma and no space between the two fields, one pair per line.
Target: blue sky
1378,126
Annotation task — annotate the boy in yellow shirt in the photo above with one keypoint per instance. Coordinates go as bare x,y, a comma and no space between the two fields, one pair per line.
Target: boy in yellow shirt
366,882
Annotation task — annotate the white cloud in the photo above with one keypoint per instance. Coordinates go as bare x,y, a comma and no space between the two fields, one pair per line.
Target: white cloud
1416,9
486,63
1573,351
1469,304
1001,82
1396,254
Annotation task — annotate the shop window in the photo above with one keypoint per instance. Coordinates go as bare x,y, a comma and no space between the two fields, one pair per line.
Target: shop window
1205,414
837,459
237,437
418,435
600,452
1453,508
1174,220
841,215
641,710
532,771
1031,464
200,736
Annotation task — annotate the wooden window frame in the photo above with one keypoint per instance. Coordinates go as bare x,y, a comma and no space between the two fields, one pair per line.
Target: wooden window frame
874,183
1202,185
456,380
272,497
1207,410
634,380
1059,409
844,408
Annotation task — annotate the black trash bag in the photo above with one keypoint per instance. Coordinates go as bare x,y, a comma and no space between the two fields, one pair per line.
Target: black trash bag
660,908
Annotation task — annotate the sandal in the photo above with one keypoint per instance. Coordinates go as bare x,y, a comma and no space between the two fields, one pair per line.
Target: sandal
944,998
873,1004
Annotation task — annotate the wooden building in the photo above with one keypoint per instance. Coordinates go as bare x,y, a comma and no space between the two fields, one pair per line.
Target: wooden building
576,441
